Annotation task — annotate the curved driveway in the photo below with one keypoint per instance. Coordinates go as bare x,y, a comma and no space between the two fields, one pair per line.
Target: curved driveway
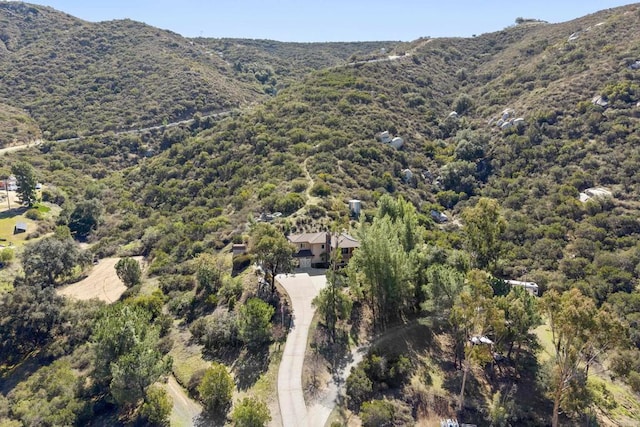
301,288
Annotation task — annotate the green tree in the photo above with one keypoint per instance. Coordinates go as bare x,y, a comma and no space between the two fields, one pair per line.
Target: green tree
483,229
580,334
127,360
444,284
272,251
85,218
383,269
208,274
157,406
475,317
29,319
128,270
250,412
49,397
51,258
26,180
254,322
521,315
332,303
216,389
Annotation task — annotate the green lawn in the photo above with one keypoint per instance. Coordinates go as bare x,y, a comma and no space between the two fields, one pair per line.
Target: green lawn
8,220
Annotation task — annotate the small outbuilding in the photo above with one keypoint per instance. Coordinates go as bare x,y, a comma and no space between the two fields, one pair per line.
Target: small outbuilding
20,227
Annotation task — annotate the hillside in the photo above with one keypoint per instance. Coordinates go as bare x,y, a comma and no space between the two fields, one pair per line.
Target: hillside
278,64
538,121
74,77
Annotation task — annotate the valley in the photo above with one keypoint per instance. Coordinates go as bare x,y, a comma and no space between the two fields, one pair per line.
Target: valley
156,282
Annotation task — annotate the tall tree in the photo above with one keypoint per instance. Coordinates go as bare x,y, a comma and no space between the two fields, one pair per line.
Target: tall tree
26,179
332,303
444,284
384,268
476,318
272,251
483,229
580,333
521,315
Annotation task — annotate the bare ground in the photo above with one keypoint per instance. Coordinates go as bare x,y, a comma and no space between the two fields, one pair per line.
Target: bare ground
102,283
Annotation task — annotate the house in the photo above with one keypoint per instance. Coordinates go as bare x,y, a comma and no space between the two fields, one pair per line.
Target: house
239,249
20,227
314,249
530,287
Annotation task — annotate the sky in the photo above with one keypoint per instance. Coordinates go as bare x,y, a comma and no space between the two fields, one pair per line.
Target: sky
330,20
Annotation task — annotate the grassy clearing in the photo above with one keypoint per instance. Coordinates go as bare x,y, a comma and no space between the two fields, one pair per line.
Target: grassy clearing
8,220
187,359
545,339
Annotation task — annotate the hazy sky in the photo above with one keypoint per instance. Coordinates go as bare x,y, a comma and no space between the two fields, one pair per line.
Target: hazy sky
330,20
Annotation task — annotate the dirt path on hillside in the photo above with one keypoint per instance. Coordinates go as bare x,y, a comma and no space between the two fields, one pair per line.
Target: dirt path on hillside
102,283
185,410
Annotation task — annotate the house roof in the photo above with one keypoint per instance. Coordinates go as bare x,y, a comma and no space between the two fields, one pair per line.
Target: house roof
342,240
320,237
21,225
303,253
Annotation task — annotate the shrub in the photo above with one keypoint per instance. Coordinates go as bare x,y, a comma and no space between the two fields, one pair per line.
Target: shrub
386,413
216,389
320,189
156,407
359,387
34,214
250,412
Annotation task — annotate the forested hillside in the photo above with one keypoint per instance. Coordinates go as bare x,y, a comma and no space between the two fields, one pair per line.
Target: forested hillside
525,138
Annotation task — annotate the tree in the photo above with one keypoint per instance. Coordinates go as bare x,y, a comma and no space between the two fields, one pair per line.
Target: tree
216,389
521,315
49,259
444,284
254,322
475,317
127,360
29,319
483,229
383,269
85,218
49,397
272,251
26,180
128,270
250,412
208,274
580,334
332,303
156,407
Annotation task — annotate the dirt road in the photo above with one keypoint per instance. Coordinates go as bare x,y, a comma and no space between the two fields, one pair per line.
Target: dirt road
102,283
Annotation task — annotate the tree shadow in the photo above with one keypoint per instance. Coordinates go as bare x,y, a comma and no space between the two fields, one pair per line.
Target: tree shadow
249,366
22,370
13,212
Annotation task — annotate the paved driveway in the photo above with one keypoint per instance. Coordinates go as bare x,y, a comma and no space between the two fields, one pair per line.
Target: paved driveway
301,288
